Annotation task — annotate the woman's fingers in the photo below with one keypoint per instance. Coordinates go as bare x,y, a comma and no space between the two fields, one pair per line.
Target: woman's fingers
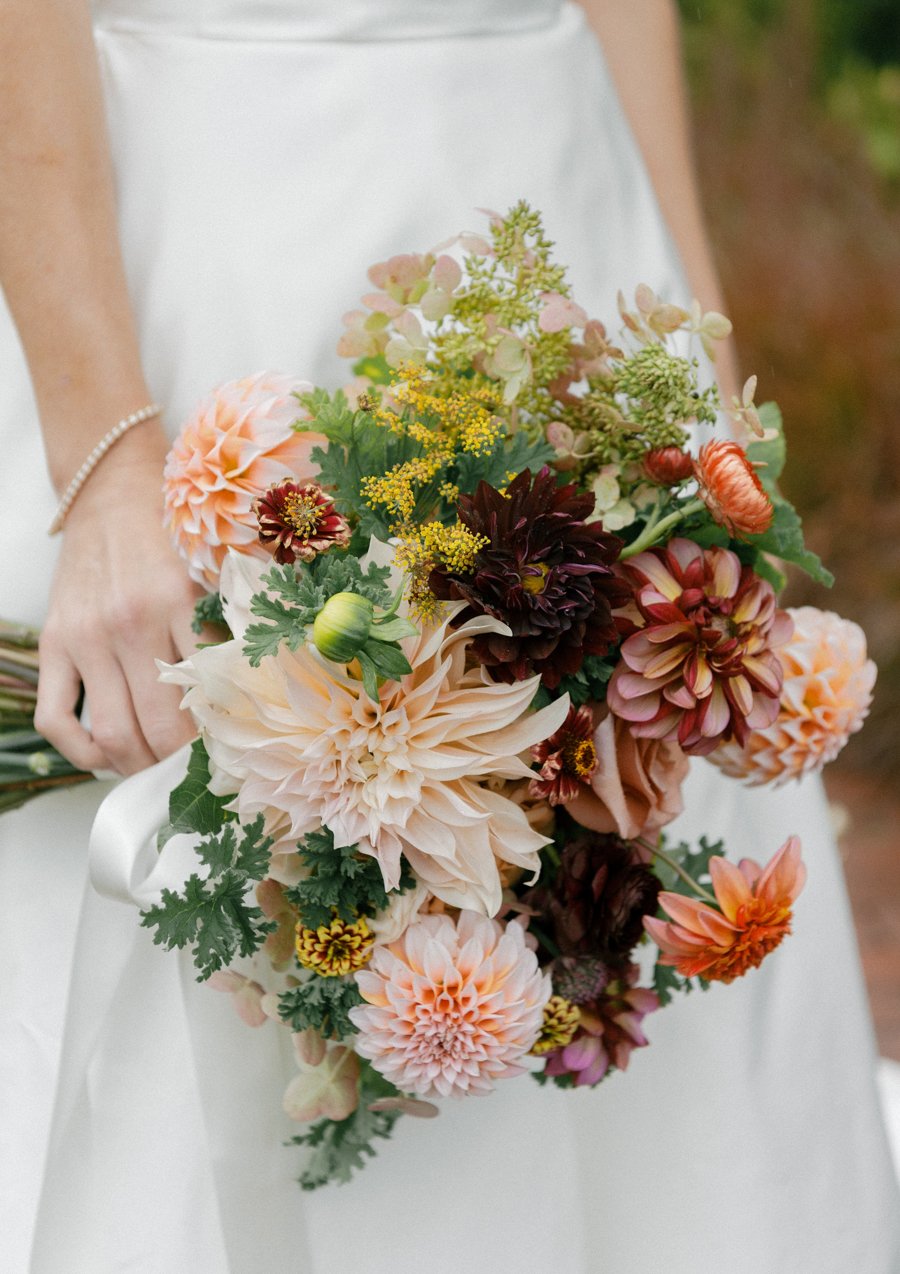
112,718
162,723
59,689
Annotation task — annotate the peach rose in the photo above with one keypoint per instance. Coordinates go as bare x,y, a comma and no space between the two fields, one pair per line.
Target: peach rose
636,788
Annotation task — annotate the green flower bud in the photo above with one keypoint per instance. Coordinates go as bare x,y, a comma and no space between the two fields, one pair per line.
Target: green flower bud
342,626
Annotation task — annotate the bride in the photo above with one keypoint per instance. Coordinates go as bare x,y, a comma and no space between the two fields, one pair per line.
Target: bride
202,207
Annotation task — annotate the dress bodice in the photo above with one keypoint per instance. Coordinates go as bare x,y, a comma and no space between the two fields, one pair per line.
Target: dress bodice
328,19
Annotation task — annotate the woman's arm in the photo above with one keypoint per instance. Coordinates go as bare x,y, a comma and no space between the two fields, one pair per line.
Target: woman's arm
120,595
642,44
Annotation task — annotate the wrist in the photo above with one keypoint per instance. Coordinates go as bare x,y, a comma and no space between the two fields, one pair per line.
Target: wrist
134,447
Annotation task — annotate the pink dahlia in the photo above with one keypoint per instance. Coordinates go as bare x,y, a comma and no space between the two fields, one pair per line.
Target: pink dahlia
451,1006
703,667
237,442
609,1028
825,698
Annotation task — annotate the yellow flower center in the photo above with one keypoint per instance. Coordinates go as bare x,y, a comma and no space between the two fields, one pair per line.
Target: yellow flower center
536,583
302,513
579,757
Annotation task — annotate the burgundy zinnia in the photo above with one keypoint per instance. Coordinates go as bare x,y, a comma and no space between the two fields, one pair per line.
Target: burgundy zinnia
298,520
703,668
544,572
567,759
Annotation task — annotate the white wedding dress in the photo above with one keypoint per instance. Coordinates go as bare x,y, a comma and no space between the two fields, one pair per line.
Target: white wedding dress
266,152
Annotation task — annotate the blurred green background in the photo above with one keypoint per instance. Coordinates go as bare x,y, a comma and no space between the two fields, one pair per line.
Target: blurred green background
797,132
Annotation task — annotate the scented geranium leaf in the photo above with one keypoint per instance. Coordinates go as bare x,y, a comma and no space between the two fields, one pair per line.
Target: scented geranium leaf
667,983
247,853
213,917
694,861
510,456
192,807
294,595
340,881
330,414
588,684
340,1148
784,539
322,1003
208,610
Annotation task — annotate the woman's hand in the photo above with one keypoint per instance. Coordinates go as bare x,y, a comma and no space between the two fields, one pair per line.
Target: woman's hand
121,598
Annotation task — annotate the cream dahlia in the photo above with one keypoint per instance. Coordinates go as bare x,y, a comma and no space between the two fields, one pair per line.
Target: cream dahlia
237,442
299,740
451,1006
703,667
825,698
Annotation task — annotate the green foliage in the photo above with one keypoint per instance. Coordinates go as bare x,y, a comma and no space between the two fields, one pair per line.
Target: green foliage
694,861
784,539
561,1081
340,1148
667,983
512,454
294,595
341,882
213,915
322,1003
358,448
208,610
192,806
587,685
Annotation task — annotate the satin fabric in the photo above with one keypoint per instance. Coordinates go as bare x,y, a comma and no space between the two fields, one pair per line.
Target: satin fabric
265,154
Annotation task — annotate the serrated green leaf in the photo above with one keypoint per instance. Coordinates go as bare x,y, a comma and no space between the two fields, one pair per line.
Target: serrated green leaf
212,916
321,1003
340,1148
784,539
248,855
192,807
208,610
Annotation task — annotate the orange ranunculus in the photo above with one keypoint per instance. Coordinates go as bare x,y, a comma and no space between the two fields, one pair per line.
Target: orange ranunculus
731,490
755,915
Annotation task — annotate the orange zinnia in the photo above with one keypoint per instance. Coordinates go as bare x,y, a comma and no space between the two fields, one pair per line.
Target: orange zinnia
731,490
755,915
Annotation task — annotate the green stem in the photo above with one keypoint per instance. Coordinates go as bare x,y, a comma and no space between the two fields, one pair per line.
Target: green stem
653,532
658,852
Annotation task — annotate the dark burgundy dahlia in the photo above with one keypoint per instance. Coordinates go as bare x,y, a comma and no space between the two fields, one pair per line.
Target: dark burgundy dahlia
598,900
544,572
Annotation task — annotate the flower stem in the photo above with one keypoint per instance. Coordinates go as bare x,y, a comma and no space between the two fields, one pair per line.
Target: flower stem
654,531
658,852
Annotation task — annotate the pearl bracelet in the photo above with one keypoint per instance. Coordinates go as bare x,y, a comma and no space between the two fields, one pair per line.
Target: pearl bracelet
90,464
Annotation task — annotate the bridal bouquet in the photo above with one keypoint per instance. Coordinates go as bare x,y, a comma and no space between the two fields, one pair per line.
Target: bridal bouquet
476,613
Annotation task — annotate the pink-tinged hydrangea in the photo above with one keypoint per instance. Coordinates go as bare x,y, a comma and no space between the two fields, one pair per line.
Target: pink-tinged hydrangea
609,1028
703,668
248,995
237,442
451,1006
328,1084
827,692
